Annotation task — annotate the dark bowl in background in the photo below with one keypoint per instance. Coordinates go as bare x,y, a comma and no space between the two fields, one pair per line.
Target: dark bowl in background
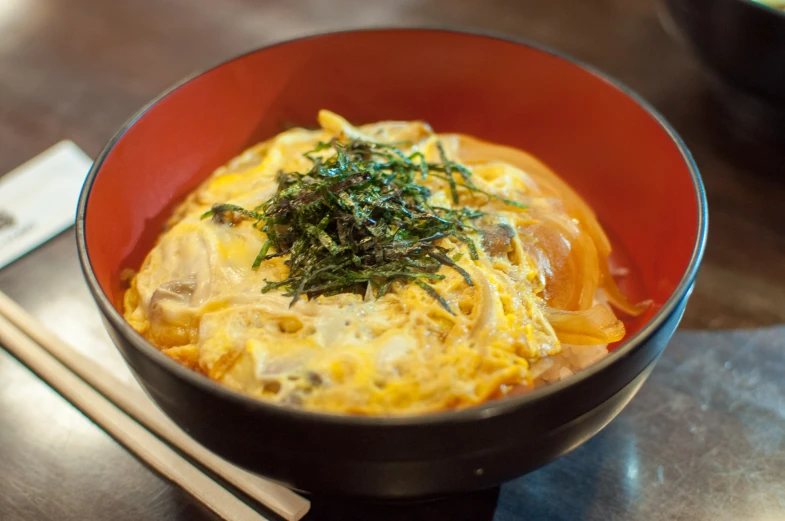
742,44
603,139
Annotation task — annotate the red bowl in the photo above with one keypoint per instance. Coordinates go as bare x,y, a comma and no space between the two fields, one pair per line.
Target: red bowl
609,144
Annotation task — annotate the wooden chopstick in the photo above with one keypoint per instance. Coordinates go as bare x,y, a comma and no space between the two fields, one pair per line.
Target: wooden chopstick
125,430
137,405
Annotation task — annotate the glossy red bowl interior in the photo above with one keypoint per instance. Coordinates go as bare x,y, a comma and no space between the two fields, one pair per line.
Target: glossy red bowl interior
598,137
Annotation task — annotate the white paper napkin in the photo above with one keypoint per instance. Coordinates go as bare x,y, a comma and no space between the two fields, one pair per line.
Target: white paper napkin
38,199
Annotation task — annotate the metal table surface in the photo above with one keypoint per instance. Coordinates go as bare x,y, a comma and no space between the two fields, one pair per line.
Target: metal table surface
703,440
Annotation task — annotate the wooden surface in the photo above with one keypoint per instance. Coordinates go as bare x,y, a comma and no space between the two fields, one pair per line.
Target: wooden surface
703,440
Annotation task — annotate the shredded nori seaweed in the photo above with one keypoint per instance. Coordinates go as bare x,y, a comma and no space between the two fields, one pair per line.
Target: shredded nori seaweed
359,217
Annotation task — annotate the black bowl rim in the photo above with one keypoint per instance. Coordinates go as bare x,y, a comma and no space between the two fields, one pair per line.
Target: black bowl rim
479,412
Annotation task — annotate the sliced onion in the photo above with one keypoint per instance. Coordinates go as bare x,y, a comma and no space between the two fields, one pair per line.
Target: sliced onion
549,184
485,316
596,325
567,258
616,298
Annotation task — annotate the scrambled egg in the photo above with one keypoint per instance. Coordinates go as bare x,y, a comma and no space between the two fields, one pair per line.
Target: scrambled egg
197,298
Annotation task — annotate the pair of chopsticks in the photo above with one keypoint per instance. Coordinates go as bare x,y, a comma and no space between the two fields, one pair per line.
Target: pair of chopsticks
129,416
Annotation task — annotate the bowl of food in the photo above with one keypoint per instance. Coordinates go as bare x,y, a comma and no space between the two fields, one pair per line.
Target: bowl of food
393,264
